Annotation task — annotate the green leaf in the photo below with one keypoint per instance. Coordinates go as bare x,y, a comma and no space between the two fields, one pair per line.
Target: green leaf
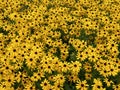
69,86
23,7
81,74
3,31
83,35
37,85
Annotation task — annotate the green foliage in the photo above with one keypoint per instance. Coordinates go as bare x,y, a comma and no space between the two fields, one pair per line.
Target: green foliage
3,31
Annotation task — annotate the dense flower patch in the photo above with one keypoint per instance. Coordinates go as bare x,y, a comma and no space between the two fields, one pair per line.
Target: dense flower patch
59,45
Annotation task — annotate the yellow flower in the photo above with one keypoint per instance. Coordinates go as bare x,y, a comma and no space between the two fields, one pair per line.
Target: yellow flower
9,80
59,78
35,77
51,78
48,68
82,85
73,78
81,56
88,76
75,67
64,66
108,82
4,86
7,27
31,62
29,86
87,68
45,85
57,86
116,87
14,16
98,85
113,70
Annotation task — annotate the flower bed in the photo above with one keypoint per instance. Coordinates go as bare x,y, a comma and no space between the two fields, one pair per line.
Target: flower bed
59,45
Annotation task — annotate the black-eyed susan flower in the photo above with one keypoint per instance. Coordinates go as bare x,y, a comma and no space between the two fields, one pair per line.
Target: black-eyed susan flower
45,84
116,87
108,82
64,66
45,43
98,85
75,67
82,85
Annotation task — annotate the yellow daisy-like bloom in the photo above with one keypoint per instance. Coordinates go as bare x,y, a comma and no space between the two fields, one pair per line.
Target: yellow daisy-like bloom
82,85
48,68
113,70
14,16
75,67
73,78
88,76
45,85
116,87
108,82
48,42
59,79
98,85
64,66
30,86
57,86
35,77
